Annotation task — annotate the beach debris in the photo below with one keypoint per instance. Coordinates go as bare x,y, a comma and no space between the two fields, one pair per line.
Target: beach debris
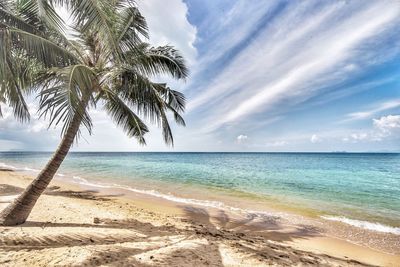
96,220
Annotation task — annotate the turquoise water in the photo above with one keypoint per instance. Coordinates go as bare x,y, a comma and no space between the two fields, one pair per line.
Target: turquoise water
340,186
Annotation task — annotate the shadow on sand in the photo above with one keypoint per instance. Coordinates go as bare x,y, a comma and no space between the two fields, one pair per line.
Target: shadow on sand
203,240
9,190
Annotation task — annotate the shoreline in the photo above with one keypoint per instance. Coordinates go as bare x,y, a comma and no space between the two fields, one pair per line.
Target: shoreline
287,216
302,235
200,194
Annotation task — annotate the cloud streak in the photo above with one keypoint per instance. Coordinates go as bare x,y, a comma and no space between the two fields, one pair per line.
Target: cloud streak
387,105
297,55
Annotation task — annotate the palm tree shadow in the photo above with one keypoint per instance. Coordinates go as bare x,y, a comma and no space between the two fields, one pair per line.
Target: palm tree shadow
83,194
146,231
255,238
201,243
10,190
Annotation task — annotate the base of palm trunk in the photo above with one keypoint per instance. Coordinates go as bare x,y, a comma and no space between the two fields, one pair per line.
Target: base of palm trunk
9,220
13,215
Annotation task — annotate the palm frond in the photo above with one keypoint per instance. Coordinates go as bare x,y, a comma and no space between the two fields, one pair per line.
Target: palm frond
96,15
10,19
5,4
150,100
130,28
39,12
42,49
11,80
123,116
153,61
173,98
62,93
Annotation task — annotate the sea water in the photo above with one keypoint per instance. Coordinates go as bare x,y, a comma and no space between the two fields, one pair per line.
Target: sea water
361,189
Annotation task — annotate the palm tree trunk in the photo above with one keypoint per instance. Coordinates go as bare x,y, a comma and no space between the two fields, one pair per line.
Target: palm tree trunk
18,211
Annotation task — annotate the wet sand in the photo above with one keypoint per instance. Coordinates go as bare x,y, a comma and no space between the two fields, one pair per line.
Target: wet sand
75,226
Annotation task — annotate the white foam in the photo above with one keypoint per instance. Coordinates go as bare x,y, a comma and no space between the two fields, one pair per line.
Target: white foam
217,204
365,225
30,169
170,197
3,165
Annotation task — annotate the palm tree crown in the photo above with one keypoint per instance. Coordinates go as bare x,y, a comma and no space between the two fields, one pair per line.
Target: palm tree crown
104,61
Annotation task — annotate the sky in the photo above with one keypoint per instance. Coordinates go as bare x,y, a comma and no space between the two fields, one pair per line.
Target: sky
312,76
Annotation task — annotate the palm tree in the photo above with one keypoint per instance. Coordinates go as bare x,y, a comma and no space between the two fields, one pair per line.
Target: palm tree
104,62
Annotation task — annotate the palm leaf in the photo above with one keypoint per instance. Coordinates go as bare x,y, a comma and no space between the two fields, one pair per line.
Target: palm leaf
62,93
152,61
42,11
96,15
8,18
11,80
5,4
150,100
125,117
130,28
42,49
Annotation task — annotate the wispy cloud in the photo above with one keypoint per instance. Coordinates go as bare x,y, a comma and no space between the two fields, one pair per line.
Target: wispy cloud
387,105
232,28
297,54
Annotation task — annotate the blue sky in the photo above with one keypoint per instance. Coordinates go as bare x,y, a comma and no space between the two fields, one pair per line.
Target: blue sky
266,76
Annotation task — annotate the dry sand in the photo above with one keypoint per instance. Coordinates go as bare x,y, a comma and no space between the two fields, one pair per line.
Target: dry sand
70,226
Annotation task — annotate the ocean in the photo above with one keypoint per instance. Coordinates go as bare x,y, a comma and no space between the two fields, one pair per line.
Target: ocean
361,189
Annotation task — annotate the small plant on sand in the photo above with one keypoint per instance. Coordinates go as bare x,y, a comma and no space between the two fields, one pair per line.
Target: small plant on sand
104,62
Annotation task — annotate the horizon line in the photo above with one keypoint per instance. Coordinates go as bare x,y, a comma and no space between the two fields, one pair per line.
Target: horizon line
275,152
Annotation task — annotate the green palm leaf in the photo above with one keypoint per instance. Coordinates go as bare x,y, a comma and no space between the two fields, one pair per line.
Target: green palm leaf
62,91
46,51
125,117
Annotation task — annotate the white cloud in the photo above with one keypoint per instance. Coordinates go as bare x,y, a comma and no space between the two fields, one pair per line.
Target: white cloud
315,139
387,105
242,139
387,124
169,25
385,127
359,136
296,55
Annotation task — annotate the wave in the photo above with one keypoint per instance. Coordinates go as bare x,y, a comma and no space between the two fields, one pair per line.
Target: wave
30,169
27,169
217,204
365,224
6,166
248,213
189,201
3,165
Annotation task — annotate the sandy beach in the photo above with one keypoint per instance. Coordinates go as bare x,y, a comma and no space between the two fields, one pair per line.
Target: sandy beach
74,226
